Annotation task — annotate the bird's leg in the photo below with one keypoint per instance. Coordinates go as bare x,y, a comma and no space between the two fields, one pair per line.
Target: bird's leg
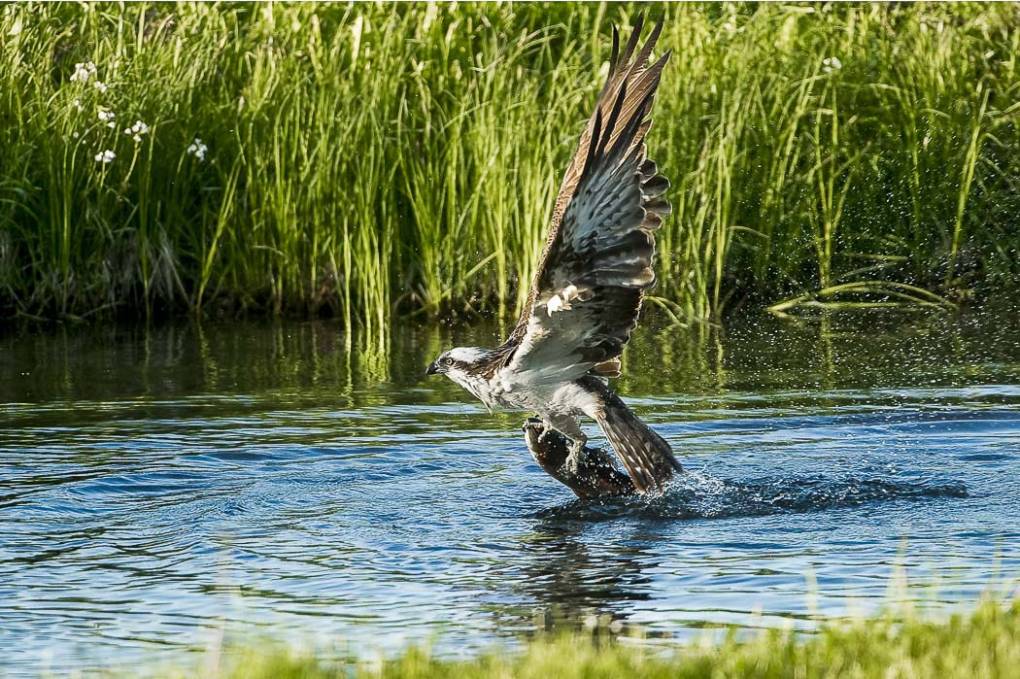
569,427
577,454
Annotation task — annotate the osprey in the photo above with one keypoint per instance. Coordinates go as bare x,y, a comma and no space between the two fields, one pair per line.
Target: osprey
587,290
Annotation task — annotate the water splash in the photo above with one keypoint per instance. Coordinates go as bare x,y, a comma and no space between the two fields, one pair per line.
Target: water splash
699,495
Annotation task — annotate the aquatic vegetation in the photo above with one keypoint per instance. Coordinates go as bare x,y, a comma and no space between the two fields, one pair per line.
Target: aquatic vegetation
985,643
364,161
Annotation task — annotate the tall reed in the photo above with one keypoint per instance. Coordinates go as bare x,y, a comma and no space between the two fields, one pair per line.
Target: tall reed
366,161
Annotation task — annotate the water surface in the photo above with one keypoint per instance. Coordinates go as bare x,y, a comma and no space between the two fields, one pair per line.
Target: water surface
161,487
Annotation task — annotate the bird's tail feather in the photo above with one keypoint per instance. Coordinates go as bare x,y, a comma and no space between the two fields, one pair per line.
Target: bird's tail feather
648,458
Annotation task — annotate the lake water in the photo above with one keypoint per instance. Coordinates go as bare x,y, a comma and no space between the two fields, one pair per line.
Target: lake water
162,488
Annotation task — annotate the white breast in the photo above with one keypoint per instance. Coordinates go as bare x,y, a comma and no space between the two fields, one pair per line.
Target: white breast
515,390
573,399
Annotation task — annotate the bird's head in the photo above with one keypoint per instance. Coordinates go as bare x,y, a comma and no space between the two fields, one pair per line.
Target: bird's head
462,365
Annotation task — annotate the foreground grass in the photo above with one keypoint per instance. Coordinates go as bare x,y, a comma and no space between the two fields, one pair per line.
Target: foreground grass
985,643
361,160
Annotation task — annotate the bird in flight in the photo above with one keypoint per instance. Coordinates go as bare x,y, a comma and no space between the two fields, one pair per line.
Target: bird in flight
586,293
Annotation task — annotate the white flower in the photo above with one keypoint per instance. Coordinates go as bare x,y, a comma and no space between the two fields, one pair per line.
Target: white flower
78,104
830,64
83,71
107,116
105,156
729,27
198,149
137,131
101,86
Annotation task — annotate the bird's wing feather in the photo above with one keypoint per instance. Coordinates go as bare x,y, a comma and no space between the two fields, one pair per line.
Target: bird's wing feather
597,263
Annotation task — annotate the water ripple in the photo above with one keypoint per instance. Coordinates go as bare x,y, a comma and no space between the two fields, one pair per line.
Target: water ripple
384,510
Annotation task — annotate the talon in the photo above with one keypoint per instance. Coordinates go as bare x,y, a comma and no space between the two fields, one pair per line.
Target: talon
575,458
531,423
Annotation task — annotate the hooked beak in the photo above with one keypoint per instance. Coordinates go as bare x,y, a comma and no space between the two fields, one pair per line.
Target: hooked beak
433,369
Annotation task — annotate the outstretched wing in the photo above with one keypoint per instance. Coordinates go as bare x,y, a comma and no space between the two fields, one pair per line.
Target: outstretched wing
597,263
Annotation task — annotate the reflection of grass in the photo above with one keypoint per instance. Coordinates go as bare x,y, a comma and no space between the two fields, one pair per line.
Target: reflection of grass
983,644
360,159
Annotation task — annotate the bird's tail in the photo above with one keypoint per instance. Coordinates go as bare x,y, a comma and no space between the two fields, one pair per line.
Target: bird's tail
648,458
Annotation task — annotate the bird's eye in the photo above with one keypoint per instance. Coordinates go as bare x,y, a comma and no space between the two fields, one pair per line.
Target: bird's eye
446,360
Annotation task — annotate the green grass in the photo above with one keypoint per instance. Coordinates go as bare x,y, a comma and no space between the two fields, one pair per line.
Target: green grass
985,643
366,161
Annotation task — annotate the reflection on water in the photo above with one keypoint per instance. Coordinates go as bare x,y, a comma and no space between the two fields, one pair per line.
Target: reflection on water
158,485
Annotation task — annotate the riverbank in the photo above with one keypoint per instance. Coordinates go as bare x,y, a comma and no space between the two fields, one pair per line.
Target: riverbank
984,643
369,161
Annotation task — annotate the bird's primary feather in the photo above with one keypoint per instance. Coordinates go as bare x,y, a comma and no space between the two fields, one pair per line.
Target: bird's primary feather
586,293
